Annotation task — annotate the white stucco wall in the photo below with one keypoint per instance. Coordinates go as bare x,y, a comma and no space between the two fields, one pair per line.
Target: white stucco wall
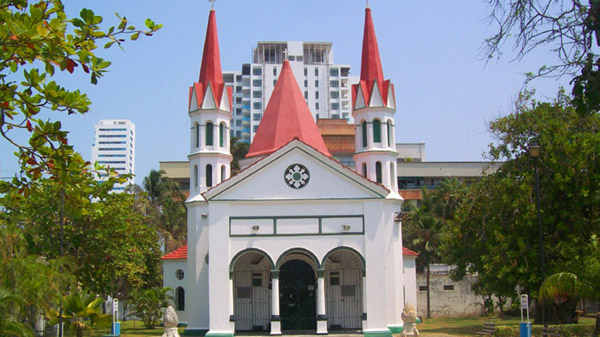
171,281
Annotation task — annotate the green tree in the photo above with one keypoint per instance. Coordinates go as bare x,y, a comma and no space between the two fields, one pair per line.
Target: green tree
569,28
81,312
37,40
147,303
238,149
495,232
9,325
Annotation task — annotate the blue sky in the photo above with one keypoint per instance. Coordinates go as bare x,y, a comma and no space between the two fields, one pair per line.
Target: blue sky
431,50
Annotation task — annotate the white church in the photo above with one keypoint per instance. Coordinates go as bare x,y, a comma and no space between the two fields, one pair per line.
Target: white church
296,240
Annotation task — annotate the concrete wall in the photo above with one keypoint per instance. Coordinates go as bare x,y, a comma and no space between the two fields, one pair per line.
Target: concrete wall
461,301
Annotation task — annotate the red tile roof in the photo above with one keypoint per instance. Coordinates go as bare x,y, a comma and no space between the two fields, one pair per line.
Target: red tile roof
286,117
179,253
406,251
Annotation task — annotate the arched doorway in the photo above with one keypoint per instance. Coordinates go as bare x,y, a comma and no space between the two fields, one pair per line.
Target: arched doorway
297,289
343,289
251,291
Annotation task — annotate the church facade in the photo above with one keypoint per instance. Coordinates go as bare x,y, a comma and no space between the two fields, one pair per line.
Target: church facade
296,240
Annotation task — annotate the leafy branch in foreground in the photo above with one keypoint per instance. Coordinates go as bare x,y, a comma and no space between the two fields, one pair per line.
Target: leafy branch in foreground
37,40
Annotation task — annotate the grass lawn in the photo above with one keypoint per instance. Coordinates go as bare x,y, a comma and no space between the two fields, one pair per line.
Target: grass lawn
458,326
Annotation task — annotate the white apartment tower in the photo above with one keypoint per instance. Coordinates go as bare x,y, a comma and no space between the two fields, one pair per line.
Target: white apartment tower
114,146
326,86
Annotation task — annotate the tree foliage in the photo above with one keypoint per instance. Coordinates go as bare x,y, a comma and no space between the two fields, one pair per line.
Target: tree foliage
37,40
495,230
569,28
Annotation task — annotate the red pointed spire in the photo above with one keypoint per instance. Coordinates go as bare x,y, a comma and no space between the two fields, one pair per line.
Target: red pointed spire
210,68
286,117
371,70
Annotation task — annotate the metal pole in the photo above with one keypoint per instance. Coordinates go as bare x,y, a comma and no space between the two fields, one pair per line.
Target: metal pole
62,234
539,218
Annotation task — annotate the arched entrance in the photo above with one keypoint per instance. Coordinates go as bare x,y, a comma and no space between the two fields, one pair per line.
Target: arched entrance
343,288
251,290
297,289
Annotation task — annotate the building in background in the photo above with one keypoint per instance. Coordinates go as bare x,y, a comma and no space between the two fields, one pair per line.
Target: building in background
326,86
114,146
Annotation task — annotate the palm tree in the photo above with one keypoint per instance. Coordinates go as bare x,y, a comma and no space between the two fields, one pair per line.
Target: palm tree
446,197
238,149
146,304
81,311
8,325
423,233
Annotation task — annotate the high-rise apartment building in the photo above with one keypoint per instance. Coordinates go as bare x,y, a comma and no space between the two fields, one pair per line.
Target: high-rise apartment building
327,87
114,146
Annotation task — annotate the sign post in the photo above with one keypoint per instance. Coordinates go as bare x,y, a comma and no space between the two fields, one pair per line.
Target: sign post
116,325
525,326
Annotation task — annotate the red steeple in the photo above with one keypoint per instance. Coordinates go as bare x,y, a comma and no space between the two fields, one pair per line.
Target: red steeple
286,117
371,71
210,69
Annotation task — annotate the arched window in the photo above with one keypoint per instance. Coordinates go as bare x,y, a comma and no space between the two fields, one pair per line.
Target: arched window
180,298
392,174
208,175
364,169
195,175
209,133
197,131
389,134
377,131
364,134
378,172
222,172
221,134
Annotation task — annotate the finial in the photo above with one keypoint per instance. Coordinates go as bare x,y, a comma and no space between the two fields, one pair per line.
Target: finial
367,3
212,4
285,54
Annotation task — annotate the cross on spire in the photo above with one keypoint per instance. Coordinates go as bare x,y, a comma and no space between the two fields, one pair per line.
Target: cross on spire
367,3
212,3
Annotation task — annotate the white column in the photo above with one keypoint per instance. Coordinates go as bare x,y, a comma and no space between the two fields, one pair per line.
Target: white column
231,312
364,301
321,304
275,318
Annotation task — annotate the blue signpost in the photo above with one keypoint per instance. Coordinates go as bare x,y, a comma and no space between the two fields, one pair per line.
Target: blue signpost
115,329
525,326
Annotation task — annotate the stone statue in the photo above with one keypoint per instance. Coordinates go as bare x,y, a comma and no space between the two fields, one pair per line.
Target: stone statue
409,317
170,322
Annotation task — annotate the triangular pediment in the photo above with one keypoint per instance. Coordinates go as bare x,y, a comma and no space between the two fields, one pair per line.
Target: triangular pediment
296,172
209,98
193,99
391,97
376,99
225,102
360,98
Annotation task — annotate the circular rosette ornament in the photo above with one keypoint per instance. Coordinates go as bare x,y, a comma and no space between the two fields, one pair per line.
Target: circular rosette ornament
296,176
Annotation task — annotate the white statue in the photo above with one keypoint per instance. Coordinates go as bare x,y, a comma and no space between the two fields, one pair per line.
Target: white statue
170,322
409,317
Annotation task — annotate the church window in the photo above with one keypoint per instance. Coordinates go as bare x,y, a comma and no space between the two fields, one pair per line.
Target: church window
364,134
209,133
392,175
378,174
196,175
377,131
221,134
364,170
389,133
180,299
197,131
179,274
208,175
222,172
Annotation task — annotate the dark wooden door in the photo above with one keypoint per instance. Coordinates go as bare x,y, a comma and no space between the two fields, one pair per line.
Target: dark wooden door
297,296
